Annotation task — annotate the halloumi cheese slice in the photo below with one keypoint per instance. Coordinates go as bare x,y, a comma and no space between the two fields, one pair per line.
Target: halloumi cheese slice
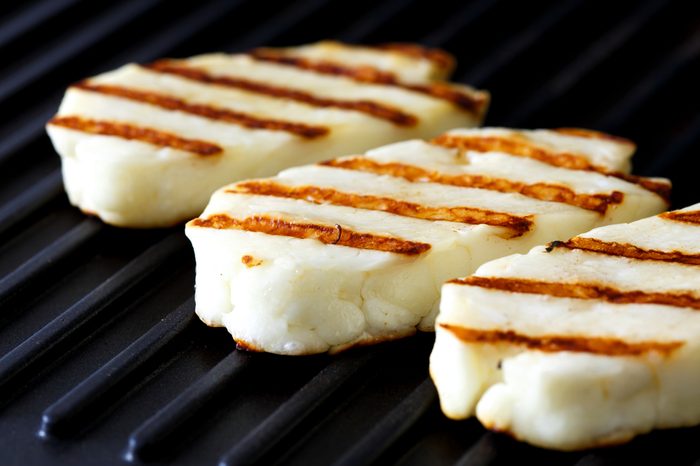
582,343
147,145
354,250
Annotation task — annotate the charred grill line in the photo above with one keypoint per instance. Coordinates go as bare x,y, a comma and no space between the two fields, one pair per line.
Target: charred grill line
582,290
368,107
327,234
518,225
205,111
558,343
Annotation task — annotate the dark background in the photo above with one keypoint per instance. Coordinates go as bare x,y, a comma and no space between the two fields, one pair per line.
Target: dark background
74,293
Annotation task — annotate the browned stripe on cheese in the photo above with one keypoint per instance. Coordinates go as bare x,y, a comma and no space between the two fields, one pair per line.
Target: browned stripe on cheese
375,109
658,187
137,133
582,291
470,215
557,343
516,145
472,102
206,111
683,216
542,191
592,134
627,250
437,56
520,146
327,234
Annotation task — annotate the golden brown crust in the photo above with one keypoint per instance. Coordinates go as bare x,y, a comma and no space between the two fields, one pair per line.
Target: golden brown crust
136,133
692,217
593,291
627,250
469,215
250,261
374,109
516,145
542,191
661,188
206,111
557,343
474,102
439,57
592,134
522,147
327,234
361,73
242,345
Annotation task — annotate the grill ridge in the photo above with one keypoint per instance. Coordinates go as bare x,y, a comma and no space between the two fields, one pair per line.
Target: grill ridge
406,414
570,75
281,424
63,416
15,365
39,264
153,438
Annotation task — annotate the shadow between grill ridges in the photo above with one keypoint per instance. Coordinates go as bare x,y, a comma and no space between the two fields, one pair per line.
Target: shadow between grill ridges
153,439
66,416
16,365
97,30
55,253
522,41
24,205
31,18
575,71
394,425
382,13
465,16
283,422
660,75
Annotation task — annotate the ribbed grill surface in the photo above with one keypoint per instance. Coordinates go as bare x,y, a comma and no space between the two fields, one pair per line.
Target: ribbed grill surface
101,359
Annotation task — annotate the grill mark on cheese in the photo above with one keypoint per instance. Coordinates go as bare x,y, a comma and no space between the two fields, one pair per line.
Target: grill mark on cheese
472,102
592,134
542,191
437,56
522,147
318,195
137,133
327,234
692,217
660,188
557,343
592,291
375,109
626,250
206,111
517,145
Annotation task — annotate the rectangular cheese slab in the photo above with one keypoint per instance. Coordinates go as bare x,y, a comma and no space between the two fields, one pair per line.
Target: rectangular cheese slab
354,250
582,343
147,145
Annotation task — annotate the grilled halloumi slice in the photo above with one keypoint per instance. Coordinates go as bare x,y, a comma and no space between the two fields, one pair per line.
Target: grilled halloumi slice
582,343
146,145
354,250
